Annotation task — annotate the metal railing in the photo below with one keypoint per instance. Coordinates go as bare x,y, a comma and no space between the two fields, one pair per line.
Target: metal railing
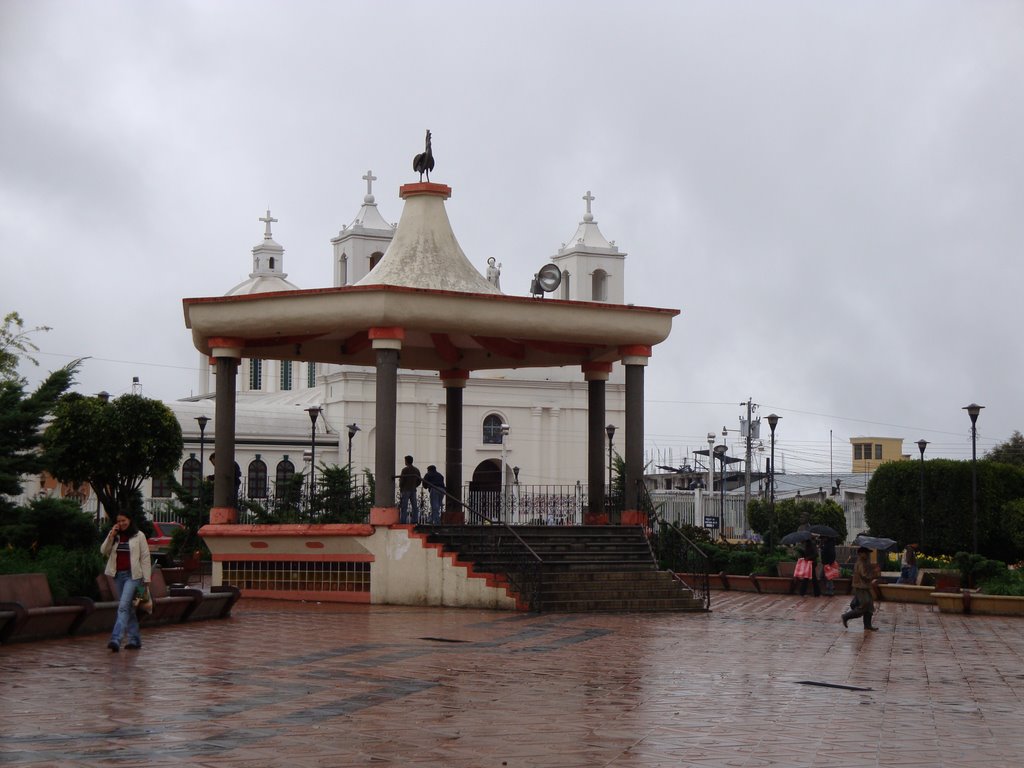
674,550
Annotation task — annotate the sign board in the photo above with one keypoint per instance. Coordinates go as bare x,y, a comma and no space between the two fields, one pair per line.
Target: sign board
710,521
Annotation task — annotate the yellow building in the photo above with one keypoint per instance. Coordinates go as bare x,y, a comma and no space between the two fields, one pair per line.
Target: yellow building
869,452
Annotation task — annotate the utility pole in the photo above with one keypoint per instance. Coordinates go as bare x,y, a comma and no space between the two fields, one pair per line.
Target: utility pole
750,437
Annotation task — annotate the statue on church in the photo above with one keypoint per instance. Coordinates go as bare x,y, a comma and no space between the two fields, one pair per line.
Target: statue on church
424,161
494,273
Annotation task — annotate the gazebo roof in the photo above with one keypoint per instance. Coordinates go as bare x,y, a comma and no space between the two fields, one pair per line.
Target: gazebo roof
449,316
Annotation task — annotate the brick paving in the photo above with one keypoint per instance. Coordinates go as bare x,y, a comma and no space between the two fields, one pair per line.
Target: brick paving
284,684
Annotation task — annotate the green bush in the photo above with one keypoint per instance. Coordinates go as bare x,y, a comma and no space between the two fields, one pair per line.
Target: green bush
742,562
975,569
49,522
1005,583
70,573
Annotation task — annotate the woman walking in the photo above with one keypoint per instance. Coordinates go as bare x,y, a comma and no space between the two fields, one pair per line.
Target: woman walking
127,553
863,575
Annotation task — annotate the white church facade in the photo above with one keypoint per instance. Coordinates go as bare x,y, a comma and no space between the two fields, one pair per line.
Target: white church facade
534,421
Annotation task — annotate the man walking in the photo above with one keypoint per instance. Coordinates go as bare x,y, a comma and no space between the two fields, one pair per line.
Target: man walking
863,575
433,481
408,482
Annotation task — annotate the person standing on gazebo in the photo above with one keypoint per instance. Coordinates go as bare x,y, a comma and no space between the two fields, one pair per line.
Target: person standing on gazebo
408,482
433,481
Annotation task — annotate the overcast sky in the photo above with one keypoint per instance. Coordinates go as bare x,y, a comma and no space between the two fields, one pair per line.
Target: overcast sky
830,192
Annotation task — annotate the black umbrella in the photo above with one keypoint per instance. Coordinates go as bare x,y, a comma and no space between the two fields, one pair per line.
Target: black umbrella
824,530
873,542
795,537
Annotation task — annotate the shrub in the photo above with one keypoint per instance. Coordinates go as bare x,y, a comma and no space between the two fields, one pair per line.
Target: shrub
977,568
1004,583
70,573
49,522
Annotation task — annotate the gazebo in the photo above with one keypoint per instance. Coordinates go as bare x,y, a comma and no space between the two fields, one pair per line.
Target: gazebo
425,307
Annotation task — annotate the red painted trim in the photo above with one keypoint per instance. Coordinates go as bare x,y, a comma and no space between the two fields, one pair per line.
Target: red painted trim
224,342
454,373
638,350
294,558
501,346
323,597
223,516
595,366
314,545
273,341
424,188
286,531
445,349
387,332
356,343
559,347
258,544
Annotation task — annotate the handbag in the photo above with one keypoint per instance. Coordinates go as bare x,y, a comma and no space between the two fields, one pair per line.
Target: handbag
143,600
831,571
804,569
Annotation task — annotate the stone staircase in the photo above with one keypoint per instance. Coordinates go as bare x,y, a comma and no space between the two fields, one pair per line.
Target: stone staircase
601,568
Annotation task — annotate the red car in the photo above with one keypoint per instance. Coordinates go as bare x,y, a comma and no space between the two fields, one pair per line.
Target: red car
161,538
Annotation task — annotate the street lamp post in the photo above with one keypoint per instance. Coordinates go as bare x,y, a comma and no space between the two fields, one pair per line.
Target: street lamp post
973,410
352,429
313,412
203,421
720,451
501,508
610,431
773,421
921,445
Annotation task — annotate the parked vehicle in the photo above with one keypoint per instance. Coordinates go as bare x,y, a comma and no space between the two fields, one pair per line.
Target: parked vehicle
161,539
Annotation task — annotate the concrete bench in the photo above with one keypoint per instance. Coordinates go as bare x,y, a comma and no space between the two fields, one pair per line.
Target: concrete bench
28,597
169,606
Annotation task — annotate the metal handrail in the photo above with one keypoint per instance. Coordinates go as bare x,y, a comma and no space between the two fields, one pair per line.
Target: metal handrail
688,552
528,585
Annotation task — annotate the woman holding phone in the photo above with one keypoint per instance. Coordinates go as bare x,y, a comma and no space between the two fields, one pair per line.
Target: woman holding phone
127,553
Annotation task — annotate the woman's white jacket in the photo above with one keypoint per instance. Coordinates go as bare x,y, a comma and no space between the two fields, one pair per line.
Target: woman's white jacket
142,567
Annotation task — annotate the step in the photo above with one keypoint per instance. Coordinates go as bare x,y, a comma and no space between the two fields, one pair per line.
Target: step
623,606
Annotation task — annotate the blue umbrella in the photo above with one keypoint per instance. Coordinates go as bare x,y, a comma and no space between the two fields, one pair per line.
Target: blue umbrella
874,542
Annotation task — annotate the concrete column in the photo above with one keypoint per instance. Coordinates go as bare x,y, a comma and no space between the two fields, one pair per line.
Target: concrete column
596,375
634,359
454,385
226,354
387,342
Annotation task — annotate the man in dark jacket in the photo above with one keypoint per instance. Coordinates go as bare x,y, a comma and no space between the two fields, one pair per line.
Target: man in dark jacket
433,481
408,482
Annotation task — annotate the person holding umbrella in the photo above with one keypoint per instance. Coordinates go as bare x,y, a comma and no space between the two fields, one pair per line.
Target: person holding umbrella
811,555
830,568
863,575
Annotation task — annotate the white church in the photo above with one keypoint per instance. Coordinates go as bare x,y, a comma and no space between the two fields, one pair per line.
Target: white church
533,421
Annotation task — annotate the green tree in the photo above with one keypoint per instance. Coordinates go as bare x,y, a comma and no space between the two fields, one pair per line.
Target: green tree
21,417
16,344
112,445
1010,452
893,505
791,513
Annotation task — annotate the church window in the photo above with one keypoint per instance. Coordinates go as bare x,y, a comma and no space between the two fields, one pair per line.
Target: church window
191,475
286,375
311,375
255,374
600,285
257,478
161,487
271,263
492,430
374,258
285,471
565,284
343,270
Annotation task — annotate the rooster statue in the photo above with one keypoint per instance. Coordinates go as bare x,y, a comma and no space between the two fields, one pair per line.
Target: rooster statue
424,161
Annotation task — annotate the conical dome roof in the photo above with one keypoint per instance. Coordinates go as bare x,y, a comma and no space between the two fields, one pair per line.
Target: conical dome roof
424,252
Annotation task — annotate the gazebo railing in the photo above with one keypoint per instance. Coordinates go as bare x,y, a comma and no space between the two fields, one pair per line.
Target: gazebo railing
675,551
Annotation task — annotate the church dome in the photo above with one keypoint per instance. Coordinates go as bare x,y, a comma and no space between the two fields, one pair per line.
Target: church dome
267,267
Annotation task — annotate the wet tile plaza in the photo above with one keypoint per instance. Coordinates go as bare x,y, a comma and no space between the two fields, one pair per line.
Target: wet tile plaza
762,680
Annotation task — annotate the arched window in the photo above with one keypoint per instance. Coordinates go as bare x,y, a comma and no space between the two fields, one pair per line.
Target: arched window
192,475
286,375
285,471
161,487
255,374
343,270
565,285
310,375
374,258
492,430
271,262
600,285
257,478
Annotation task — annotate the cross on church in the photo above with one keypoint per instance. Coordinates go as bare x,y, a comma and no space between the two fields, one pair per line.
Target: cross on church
589,198
369,178
268,219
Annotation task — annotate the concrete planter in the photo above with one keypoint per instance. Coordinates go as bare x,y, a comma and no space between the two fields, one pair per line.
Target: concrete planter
949,602
906,593
994,605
